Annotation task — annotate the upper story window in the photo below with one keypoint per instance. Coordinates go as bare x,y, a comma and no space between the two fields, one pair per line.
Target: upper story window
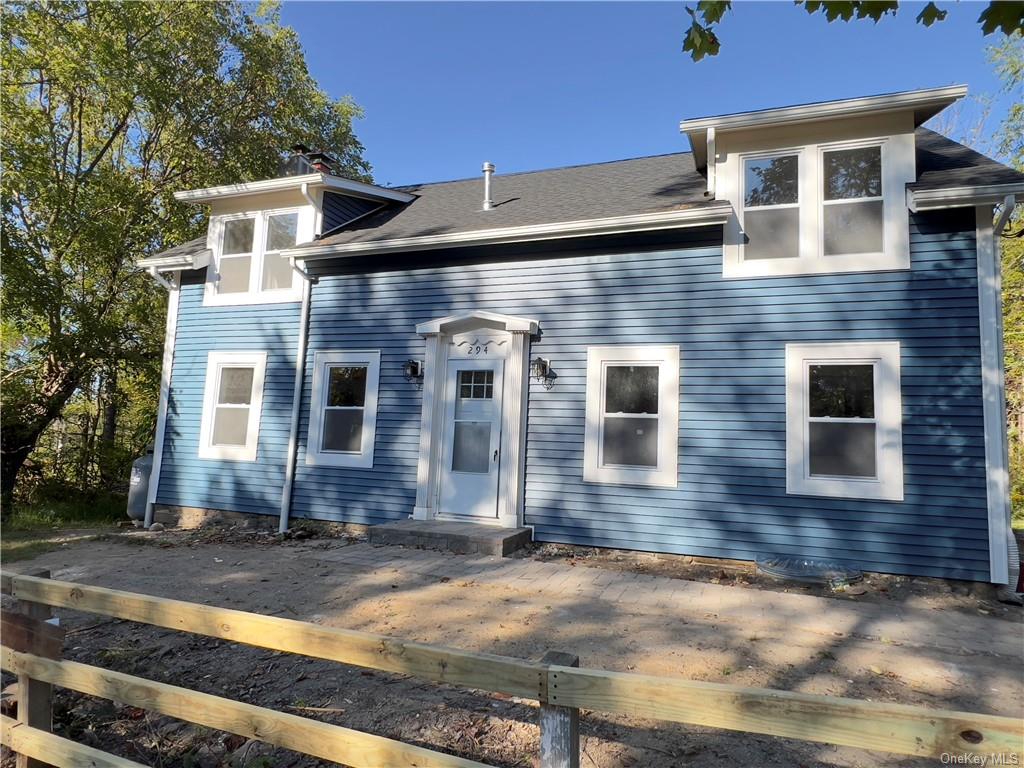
819,208
853,216
248,266
771,206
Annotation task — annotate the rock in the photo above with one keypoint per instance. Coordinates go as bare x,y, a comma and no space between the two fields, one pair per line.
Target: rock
9,701
156,527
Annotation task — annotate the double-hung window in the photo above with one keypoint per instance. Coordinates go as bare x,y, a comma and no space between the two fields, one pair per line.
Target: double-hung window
343,413
844,420
632,429
819,208
771,207
249,267
853,216
232,403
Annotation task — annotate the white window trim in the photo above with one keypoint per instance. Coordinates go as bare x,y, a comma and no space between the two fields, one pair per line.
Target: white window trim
885,356
321,362
898,168
665,475
255,294
214,362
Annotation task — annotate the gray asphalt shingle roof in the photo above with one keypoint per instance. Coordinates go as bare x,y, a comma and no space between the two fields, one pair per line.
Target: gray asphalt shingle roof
618,188
602,190
943,163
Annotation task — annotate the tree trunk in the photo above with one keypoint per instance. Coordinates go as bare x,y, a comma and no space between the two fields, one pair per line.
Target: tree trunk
108,429
22,423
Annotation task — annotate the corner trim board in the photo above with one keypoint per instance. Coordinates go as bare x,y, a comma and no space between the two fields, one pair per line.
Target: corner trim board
167,365
993,392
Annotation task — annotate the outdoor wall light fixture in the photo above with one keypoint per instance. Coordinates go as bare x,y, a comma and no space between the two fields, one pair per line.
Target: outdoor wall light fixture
413,370
540,369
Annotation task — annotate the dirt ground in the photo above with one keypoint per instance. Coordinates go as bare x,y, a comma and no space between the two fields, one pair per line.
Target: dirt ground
297,579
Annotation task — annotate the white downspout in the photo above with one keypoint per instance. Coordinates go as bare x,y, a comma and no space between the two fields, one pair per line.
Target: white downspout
170,332
1009,591
300,375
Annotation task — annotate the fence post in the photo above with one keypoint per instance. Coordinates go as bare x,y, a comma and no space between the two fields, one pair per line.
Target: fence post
35,698
559,726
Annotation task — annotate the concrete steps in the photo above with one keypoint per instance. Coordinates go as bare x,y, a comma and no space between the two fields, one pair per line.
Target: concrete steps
451,536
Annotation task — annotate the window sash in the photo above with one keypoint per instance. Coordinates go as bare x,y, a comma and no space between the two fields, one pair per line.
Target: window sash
217,364
258,255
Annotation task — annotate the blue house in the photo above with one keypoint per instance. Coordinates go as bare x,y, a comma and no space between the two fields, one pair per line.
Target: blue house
784,341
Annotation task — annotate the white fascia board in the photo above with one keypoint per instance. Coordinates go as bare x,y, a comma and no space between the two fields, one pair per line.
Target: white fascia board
938,98
177,263
961,197
336,183
691,217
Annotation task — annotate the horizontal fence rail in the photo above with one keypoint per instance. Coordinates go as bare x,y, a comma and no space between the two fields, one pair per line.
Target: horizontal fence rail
301,734
833,720
40,745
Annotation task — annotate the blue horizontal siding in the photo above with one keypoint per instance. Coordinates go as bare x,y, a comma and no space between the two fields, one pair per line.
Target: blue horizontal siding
731,499
186,479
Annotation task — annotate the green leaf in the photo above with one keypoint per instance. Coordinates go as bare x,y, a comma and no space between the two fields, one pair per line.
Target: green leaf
1006,17
930,14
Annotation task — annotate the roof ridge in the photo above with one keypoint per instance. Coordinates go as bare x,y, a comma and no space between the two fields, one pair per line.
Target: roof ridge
407,187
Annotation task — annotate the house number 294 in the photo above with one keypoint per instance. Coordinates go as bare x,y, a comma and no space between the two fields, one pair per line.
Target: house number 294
476,349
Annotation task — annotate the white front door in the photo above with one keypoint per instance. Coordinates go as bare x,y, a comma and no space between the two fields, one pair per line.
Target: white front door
472,438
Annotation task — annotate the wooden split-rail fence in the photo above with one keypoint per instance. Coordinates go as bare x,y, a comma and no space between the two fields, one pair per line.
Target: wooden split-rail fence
31,648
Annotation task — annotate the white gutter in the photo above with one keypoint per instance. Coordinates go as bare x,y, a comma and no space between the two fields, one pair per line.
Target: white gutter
961,197
347,186
926,99
293,428
690,217
170,332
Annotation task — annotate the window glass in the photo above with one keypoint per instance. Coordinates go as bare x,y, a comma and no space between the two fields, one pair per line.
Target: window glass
841,407
471,449
842,391
281,231
234,395
631,389
853,227
476,385
346,386
857,226
277,272
343,430
844,449
238,235
343,414
630,442
853,173
773,233
234,274
235,386
771,181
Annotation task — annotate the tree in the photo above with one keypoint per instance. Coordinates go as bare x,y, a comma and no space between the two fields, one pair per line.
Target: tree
109,108
701,40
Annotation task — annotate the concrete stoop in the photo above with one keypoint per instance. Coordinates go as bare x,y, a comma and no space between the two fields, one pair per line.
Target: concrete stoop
448,536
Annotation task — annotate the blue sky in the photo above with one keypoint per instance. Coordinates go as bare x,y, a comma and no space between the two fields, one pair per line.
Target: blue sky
446,86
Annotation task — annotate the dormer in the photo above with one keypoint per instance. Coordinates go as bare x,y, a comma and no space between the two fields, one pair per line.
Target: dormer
252,224
819,188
